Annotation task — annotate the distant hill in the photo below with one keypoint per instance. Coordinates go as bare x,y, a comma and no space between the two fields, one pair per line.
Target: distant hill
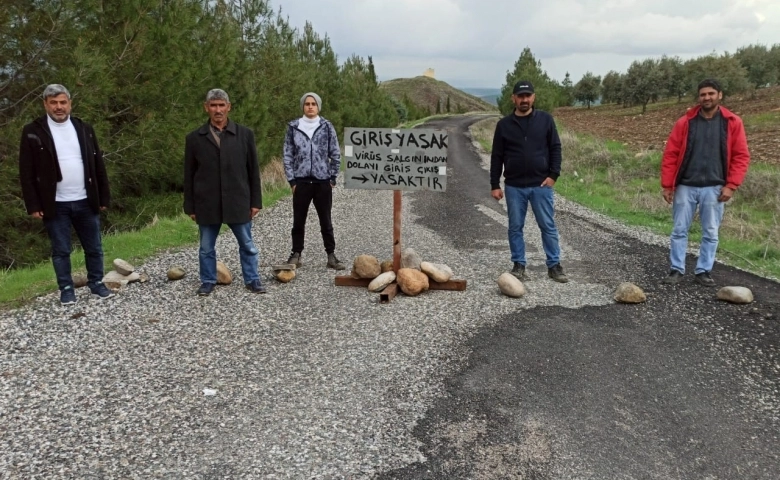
425,92
489,95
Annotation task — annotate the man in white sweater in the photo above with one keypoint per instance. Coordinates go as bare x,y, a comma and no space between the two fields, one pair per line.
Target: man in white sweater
64,184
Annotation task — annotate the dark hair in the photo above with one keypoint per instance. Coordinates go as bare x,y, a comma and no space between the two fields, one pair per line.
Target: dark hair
709,82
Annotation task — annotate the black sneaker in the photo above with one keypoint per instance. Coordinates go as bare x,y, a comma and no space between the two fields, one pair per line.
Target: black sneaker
518,271
206,289
704,278
673,278
556,273
68,296
295,259
334,262
101,291
255,287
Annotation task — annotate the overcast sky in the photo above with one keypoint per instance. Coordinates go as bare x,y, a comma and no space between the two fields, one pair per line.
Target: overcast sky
472,43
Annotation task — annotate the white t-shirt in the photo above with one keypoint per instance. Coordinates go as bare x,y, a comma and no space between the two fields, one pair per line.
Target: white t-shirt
66,141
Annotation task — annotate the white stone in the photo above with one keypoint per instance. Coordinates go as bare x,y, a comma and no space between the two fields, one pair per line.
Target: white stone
379,283
116,277
123,267
510,285
438,272
735,294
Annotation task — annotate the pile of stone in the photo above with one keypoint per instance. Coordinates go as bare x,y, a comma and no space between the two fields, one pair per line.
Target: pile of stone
413,277
122,274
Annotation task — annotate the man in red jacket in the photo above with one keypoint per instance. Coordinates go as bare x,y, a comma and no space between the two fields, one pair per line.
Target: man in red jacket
705,160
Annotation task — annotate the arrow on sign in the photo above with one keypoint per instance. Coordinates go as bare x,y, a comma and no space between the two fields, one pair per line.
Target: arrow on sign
362,177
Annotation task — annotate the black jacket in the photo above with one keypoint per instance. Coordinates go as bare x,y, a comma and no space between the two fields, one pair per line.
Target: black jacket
39,168
525,158
221,184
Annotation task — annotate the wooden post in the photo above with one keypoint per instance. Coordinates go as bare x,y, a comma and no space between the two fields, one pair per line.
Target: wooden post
396,230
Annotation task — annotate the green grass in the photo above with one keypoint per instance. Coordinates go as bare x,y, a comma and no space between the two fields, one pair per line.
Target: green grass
606,177
21,285
761,120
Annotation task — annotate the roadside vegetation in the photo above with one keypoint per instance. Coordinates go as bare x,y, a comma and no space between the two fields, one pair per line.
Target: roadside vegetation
613,180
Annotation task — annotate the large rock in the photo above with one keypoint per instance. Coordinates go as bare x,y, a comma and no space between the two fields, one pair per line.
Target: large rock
510,285
366,266
123,267
627,292
412,282
387,266
437,271
379,283
176,273
223,274
735,294
117,278
410,259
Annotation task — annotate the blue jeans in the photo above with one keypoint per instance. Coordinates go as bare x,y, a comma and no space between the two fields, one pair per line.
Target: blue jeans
207,255
86,223
541,199
686,199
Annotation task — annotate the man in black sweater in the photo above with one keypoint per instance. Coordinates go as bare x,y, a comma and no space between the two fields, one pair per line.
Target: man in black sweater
527,150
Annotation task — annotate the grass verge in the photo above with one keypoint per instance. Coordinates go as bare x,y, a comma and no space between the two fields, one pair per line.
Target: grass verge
19,286
611,180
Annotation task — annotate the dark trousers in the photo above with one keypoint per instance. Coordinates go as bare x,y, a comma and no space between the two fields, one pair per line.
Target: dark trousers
322,196
86,223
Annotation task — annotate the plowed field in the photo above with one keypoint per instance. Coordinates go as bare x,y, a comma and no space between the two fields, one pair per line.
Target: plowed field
760,113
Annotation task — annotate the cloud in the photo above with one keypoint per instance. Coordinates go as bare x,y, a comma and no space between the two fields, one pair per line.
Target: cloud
477,41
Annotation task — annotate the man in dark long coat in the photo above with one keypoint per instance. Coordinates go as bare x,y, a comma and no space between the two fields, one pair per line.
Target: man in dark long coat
222,186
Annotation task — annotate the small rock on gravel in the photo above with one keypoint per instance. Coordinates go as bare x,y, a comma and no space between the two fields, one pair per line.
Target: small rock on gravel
176,273
628,292
510,285
740,295
224,277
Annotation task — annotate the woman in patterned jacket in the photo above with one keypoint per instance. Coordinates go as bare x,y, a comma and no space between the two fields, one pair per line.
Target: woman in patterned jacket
311,162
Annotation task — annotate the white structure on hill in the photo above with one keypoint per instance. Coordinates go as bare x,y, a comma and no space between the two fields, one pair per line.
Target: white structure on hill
429,73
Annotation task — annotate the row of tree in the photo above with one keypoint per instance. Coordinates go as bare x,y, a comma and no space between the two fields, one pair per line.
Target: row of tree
750,68
139,70
648,80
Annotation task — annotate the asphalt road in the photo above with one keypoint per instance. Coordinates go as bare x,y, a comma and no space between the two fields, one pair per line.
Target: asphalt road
681,387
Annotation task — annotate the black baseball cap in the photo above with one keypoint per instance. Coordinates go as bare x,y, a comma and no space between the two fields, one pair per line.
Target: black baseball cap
523,87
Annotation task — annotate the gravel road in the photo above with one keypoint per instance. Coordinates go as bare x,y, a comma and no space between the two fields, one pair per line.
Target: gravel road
317,381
